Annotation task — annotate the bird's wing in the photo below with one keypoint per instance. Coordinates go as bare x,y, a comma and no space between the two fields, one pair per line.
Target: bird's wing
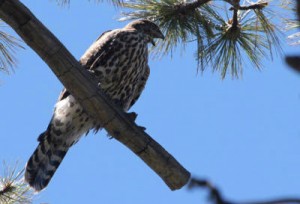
141,86
101,50
105,32
91,56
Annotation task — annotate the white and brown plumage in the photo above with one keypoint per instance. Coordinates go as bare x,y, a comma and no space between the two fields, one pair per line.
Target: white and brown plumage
119,61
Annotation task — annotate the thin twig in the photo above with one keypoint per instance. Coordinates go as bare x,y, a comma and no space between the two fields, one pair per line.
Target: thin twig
253,6
235,22
215,195
217,198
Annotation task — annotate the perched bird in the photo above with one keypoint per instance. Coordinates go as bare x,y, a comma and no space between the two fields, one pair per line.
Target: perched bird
118,60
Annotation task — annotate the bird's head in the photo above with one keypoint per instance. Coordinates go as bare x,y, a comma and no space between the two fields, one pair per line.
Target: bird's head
148,28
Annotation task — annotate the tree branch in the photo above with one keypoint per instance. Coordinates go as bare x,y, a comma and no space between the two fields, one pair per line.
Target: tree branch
235,21
253,6
294,61
185,7
78,81
217,198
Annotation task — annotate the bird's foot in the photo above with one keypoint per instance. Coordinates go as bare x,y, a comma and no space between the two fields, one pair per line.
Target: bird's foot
142,128
132,115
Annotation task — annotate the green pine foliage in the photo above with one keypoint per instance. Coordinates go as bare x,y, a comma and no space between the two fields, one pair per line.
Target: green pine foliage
229,34
13,189
8,46
291,23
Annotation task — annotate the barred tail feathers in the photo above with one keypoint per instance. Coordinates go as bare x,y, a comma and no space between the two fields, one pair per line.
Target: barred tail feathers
43,163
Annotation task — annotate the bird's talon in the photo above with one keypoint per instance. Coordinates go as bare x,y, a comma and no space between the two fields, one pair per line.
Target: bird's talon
142,128
132,115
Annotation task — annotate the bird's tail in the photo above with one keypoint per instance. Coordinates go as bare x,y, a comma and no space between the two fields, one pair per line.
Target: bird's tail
44,162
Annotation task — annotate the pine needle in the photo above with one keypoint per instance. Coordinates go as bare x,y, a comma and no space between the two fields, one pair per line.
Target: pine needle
251,41
8,46
13,189
179,26
221,45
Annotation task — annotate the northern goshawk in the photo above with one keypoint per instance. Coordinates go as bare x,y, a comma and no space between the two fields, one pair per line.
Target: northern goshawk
118,60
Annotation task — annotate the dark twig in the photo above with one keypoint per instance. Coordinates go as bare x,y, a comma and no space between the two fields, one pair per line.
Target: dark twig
217,198
298,9
253,6
236,6
294,62
215,194
235,22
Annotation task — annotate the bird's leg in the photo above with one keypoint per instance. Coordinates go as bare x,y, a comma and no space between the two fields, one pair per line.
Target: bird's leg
142,128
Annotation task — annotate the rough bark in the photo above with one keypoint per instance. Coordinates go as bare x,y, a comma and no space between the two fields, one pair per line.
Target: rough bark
84,89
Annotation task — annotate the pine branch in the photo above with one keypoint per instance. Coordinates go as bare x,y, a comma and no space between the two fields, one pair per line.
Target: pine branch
82,86
220,42
290,22
181,21
13,189
235,21
8,46
260,5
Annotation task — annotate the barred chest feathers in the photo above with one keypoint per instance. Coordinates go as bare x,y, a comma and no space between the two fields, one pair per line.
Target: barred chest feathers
119,76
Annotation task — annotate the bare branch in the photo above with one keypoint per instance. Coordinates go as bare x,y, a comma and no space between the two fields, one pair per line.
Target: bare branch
253,6
217,198
298,9
235,21
78,81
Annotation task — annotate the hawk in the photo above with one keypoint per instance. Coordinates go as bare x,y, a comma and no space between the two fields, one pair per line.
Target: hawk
118,60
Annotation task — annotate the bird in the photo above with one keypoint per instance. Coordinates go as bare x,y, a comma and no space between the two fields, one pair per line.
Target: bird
118,61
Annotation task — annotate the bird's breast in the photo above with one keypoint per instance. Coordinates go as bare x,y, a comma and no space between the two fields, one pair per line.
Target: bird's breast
123,72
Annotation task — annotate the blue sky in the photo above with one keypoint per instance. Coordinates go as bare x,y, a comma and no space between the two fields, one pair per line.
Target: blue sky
243,135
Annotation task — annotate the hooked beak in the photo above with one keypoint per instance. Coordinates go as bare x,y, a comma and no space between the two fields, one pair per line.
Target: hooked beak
158,34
